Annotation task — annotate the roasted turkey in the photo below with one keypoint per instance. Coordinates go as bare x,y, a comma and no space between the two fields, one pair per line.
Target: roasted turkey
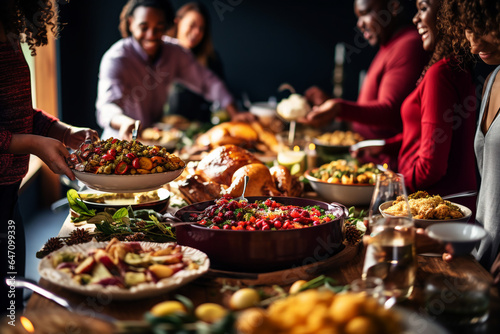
223,170
251,136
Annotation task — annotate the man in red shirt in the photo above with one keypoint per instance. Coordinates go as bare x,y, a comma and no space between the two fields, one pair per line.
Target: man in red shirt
392,75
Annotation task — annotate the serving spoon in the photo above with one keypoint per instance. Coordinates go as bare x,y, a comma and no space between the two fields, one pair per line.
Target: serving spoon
242,197
461,194
135,130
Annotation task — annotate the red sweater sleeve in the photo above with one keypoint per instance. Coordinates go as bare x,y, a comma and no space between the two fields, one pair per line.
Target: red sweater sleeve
42,122
438,98
402,66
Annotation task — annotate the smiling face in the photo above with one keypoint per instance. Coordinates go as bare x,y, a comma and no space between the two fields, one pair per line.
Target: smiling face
147,25
425,20
486,46
190,29
372,20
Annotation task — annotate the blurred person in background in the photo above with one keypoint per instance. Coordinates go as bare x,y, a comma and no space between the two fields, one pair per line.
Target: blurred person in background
25,130
435,148
192,30
392,75
136,73
475,25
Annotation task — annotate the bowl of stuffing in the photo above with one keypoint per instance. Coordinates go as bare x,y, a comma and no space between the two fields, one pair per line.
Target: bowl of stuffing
427,209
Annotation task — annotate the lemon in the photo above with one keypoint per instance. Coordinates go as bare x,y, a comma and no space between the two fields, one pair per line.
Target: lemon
210,312
295,288
293,160
168,307
244,298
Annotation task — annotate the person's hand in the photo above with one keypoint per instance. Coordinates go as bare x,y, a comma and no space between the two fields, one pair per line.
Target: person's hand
53,153
316,96
243,117
75,136
425,244
125,131
321,115
364,153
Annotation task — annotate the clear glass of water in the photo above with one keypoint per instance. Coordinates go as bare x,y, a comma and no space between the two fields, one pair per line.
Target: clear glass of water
390,255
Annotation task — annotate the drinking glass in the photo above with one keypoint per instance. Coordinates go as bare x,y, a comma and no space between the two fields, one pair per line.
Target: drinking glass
388,187
369,286
458,300
391,255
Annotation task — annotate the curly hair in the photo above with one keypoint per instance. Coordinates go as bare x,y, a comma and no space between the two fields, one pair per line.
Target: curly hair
444,47
480,16
131,5
29,21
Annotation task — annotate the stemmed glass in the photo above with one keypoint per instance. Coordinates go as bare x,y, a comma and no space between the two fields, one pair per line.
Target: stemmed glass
389,186
390,253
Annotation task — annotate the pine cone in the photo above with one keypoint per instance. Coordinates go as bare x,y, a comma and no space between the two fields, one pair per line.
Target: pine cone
139,236
78,236
52,244
140,224
352,234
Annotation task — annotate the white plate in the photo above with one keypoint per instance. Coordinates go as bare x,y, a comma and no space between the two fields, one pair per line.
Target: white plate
127,183
426,222
144,290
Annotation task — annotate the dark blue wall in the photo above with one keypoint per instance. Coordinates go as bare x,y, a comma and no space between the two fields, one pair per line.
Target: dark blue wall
262,44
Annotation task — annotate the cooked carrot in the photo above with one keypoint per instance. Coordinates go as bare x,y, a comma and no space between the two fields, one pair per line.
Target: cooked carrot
145,163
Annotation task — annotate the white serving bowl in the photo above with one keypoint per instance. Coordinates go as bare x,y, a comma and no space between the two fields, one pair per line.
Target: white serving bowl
264,111
127,183
427,222
346,194
459,238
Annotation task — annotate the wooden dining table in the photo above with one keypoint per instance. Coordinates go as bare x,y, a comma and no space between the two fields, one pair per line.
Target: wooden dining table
212,287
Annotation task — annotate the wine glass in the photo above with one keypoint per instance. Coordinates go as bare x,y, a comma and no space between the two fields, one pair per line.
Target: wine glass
389,186
390,253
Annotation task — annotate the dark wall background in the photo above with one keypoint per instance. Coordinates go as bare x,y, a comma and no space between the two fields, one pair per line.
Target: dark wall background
262,45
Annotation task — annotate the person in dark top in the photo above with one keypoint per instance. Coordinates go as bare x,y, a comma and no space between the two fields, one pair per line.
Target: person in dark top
192,30
24,131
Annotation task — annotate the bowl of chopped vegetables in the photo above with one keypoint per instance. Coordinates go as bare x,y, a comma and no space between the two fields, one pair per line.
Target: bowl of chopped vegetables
344,182
121,166
263,234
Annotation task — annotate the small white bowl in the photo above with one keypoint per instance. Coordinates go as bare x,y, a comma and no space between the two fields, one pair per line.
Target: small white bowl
459,238
265,111
346,194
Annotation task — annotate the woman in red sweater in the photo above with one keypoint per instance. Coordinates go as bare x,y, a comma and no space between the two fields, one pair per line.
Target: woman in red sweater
24,130
436,151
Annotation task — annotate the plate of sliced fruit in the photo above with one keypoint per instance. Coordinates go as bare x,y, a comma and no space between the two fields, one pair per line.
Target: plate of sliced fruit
123,270
124,166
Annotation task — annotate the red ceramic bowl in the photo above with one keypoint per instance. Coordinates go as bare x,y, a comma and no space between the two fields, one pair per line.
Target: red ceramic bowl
265,251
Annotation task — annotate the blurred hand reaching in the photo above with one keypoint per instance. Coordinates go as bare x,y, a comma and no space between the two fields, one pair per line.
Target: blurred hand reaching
316,96
321,115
